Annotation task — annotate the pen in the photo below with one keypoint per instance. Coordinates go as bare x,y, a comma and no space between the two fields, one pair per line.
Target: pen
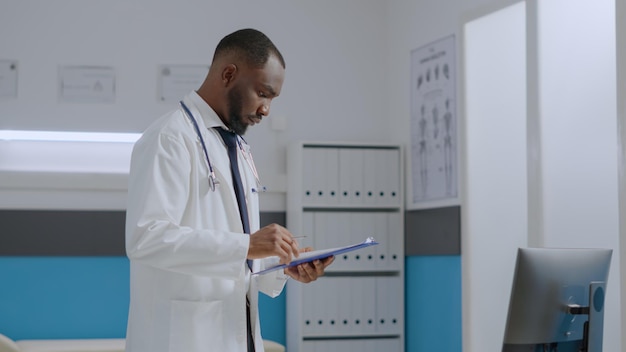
295,237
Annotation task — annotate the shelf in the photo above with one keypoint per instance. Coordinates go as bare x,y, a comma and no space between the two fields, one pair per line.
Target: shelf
339,194
339,207
354,336
332,273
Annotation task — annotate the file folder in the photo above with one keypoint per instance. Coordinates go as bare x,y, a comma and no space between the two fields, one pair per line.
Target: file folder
307,257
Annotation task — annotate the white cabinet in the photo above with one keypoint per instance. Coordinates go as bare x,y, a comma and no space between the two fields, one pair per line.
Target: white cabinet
340,194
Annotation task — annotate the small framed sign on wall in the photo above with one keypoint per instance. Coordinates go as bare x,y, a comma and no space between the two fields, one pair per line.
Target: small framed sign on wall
176,81
86,84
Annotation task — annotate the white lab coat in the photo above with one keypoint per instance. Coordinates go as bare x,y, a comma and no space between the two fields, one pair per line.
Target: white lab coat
186,244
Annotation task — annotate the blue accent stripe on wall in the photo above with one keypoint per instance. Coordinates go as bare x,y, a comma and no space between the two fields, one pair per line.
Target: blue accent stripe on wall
64,297
433,303
272,312
87,297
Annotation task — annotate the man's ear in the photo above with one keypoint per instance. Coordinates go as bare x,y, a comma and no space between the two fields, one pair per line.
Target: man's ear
228,74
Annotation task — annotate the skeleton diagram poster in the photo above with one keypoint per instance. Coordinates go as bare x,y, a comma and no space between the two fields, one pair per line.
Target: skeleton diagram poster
434,122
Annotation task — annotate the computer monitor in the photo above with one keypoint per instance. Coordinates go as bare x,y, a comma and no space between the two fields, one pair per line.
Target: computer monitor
557,300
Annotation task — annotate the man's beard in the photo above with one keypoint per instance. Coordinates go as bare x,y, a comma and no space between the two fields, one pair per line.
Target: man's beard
235,106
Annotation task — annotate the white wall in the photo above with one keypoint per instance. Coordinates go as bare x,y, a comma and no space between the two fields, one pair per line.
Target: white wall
577,71
572,141
621,115
334,89
495,208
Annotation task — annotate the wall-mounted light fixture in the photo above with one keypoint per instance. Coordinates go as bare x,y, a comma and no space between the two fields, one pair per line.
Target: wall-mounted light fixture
64,136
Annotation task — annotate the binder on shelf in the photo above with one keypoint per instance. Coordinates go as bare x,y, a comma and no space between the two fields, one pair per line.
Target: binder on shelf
358,296
395,309
308,178
368,285
315,346
394,241
344,345
331,169
308,224
318,161
371,165
381,228
321,229
329,300
308,310
345,176
388,305
336,234
320,254
356,169
392,192
318,311
368,256
380,175
357,229
351,175
344,312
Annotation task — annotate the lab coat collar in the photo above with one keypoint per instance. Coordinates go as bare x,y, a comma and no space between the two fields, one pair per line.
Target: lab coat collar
199,107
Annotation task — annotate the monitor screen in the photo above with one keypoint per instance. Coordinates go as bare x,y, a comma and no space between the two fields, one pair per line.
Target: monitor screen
546,282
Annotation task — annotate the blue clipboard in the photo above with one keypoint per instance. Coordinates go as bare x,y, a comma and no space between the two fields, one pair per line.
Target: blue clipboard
319,254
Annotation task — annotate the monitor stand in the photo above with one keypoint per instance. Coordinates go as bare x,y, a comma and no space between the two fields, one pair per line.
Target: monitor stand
594,326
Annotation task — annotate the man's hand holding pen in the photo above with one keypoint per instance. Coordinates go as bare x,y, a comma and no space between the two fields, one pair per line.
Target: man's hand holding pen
275,240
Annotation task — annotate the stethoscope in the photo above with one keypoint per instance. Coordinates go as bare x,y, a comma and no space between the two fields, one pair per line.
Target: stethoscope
247,155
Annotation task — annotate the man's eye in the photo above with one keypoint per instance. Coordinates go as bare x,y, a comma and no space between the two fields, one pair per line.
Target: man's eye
262,95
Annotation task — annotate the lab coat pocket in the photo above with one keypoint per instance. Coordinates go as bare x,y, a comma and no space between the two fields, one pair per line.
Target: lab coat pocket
196,326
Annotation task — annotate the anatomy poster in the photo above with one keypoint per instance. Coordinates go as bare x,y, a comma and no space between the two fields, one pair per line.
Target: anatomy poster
434,122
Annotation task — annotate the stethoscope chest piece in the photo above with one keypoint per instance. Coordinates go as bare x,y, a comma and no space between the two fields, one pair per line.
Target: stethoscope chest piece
213,182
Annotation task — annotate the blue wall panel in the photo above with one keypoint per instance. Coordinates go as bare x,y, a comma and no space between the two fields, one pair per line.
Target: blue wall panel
433,303
63,297
83,297
87,297
273,317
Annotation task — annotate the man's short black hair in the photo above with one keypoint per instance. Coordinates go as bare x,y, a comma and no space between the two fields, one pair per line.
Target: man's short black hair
253,45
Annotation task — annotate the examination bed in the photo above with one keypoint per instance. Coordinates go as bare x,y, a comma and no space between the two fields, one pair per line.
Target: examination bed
86,345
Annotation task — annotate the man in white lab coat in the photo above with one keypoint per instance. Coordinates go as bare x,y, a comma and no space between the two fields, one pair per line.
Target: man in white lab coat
190,258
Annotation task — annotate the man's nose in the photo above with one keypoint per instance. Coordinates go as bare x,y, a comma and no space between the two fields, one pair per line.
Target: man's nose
264,110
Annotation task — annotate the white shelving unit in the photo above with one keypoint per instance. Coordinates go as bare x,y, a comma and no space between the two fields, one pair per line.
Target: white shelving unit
340,194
